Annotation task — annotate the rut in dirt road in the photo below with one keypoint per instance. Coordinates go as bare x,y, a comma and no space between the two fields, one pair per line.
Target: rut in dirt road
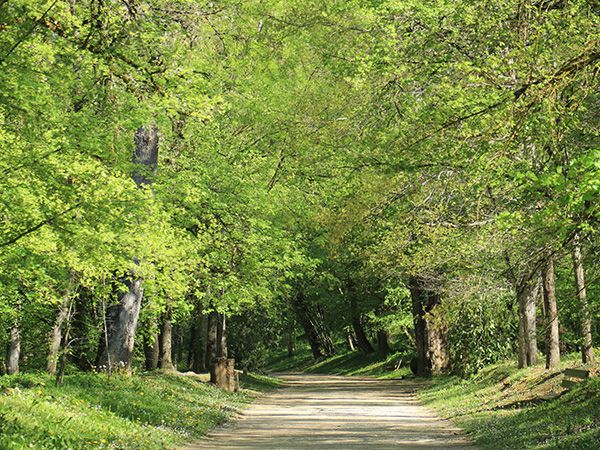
329,412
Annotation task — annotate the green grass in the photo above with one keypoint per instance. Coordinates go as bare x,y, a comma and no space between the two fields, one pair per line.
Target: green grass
346,363
90,410
502,408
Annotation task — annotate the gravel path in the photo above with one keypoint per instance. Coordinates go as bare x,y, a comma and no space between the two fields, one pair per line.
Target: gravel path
329,412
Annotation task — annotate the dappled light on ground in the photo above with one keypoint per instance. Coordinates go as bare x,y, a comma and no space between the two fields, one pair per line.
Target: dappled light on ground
330,412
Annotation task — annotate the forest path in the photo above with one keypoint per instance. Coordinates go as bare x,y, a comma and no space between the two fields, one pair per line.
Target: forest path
332,412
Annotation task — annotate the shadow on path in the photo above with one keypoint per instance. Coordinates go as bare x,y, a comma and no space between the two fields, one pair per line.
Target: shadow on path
331,412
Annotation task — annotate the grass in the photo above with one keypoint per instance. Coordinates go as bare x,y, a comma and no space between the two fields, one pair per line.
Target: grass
346,363
148,411
502,407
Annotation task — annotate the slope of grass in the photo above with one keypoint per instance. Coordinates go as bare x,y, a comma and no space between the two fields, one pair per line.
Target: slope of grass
505,408
345,363
149,411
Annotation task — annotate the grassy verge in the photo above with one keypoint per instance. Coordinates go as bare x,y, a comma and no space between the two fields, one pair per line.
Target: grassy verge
503,408
149,411
346,363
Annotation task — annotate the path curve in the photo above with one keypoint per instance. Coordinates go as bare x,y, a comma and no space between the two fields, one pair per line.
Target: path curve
331,412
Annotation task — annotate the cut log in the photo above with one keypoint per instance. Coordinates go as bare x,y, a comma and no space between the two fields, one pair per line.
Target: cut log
223,374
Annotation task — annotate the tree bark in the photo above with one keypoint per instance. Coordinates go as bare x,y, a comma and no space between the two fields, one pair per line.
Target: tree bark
552,337
151,351
383,342
527,292
121,324
350,339
56,335
122,318
587,350
222,336
166,342
198,363
64,345
361,337
430,339
13,354
192,346
211,338
314,327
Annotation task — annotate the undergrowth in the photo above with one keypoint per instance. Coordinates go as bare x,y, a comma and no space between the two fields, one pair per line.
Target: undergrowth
148,411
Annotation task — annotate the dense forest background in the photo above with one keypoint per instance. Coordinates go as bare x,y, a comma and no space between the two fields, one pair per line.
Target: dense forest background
183,179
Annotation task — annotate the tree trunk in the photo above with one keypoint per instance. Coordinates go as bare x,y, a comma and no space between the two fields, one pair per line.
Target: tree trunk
430,339
166,342
13,354
151,351
64,346
552,338
383,342
178,345
222,336
587,350
350,340
361,337
311,320
199,359
528,291
192,347
121,324
122,318
211,338
56,335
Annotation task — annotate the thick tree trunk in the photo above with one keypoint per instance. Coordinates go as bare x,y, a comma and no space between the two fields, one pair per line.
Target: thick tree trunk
383,342
527,292
222,336
587,351
552,338
13,354
121,324
361,338
122,318
166,342
211,338
312,322
56,335
151,351
430,340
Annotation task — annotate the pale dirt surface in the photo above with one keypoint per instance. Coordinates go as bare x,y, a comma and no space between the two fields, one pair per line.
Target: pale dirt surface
330,412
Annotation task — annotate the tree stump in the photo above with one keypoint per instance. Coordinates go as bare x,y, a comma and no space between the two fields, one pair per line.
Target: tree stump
222,374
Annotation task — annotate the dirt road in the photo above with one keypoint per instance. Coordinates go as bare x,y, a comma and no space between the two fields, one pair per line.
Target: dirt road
329,412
